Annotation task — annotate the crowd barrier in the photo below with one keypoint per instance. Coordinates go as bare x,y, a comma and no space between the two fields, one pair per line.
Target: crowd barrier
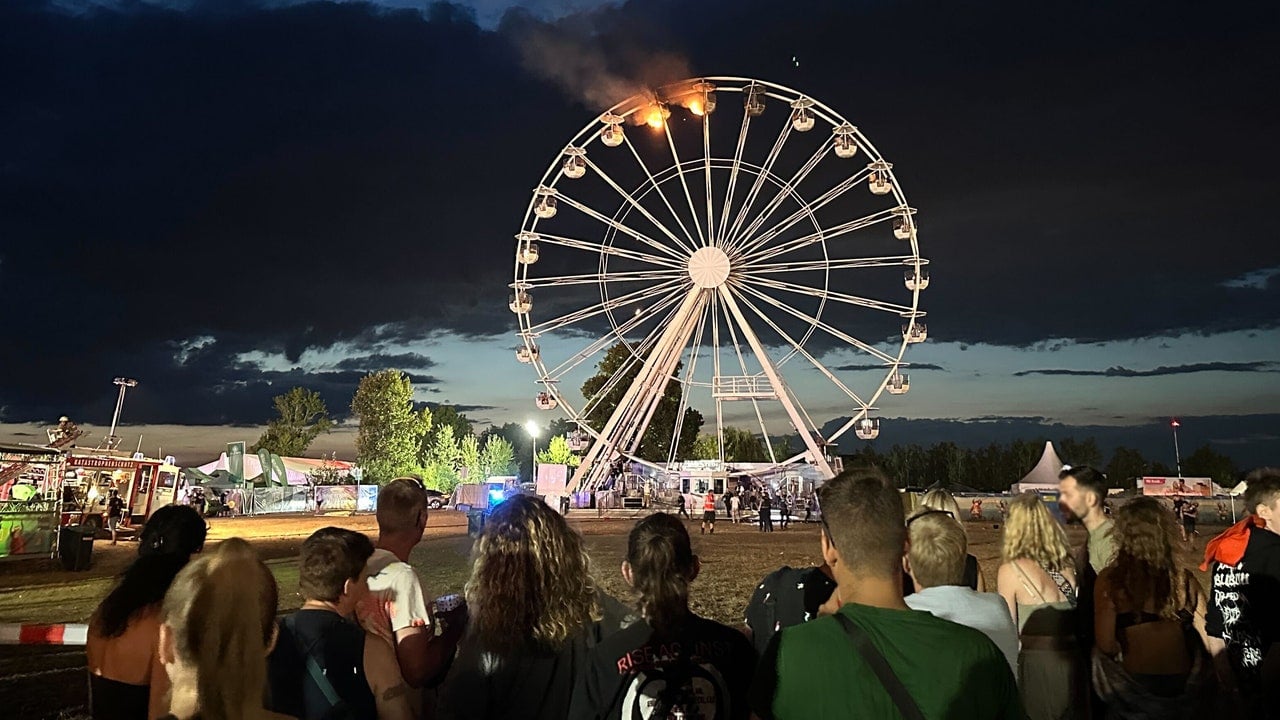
60,634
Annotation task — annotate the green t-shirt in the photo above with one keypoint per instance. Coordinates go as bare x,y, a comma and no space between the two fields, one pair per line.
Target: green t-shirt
812,671
1102,545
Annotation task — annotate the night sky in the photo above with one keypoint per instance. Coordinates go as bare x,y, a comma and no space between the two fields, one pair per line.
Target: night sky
224,199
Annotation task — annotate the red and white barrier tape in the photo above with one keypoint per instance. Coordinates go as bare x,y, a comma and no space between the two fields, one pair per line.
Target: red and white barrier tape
64,634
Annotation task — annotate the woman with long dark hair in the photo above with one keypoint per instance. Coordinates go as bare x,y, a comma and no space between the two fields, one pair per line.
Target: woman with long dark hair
1149,619
531,607
126,678
670,662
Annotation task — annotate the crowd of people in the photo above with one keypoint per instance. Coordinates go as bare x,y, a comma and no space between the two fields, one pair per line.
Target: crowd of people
893,619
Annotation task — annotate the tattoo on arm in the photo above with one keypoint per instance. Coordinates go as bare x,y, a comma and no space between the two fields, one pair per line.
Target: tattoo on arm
396,691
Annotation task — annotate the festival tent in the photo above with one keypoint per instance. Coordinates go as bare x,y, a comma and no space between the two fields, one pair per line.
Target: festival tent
296,469
1044,476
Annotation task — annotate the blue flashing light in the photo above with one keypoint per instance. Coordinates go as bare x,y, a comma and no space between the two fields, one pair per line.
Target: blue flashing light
496,496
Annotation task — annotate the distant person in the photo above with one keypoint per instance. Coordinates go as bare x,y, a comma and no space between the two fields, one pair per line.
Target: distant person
397,607
1190,514
218,624
1179,510
1038,582
709,512
765,511
681,510
1222,512
532,607
324,665
126,678
115,509
1149,620
936,564
822,668
735,507
672,663
784,510
1243,624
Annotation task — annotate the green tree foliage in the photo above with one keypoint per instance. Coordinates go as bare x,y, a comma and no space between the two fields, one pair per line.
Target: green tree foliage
558,453
518,440
497,457
447,416
742,445
1126,464
391,430
656,443
300,417
1207,462
1083,452
469,458
705,448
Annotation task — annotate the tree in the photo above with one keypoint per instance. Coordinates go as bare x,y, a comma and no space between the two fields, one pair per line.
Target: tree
301,417
448,415
1207,462
496,457
469,458
391,430
607,393
1083,452
1126,464
741,445
558,453
440,471
706,447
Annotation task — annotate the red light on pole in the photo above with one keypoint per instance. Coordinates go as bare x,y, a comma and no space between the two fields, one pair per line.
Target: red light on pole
1174,423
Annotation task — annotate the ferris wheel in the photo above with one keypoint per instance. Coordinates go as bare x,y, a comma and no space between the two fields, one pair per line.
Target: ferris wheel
694,249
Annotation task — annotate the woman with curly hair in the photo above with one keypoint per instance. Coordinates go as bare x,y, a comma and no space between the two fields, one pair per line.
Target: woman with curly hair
532,607
1149,619
671,663
1038,581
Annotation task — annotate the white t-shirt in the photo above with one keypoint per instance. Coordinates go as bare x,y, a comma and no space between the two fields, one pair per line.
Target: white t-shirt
395,593
987,612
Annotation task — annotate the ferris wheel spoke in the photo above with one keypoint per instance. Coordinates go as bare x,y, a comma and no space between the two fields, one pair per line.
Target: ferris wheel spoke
742,363
598,247
609,338
818,323
620,226
675,157
688,243
715,371
599,277
733,177
687,385
816,237
636,204
758,183
833,295
810,265
601,308
805,353
639,352
706,166
823,200
784,191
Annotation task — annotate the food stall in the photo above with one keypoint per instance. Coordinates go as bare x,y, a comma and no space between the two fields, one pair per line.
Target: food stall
30,485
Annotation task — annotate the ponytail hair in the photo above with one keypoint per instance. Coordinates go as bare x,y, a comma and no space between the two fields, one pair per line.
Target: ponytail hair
221,613
662,566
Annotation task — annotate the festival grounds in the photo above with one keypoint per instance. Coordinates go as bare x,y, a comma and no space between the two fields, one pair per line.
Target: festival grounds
51,682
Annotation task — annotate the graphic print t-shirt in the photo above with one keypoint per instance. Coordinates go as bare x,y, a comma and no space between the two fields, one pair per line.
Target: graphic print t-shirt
701,671
1242,605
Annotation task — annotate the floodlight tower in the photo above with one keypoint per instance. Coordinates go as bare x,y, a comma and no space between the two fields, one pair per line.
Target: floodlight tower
113,440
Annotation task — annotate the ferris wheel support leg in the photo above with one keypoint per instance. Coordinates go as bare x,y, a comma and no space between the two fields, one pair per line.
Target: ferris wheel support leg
629,419
784,397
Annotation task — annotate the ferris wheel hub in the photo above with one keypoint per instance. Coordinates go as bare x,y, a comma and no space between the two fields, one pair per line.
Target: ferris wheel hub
709,267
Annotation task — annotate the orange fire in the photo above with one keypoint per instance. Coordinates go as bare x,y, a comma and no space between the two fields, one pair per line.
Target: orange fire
695,107
656,116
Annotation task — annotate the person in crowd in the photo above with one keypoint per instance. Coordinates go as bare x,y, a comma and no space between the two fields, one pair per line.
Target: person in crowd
1180,506
1149,620
1245,593
533,610
1222,512
785,597
115,511
324,664
765,510
936,562
670,663
1082,497
784,509
932,666
975,509
126,678
709,512
218,624
1038,582
681,510
735,508
397,607
1190,514
944,502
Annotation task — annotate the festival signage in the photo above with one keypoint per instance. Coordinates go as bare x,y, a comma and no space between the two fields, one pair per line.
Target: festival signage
235,461
1176,486
102,463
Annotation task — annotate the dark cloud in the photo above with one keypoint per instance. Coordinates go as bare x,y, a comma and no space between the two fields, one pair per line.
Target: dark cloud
279,178
870,366
383,361
1123,372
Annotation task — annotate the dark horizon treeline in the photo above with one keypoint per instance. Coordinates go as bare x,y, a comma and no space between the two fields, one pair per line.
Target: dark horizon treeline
997,466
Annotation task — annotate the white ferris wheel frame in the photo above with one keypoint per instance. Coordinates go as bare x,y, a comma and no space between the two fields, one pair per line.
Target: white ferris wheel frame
674,256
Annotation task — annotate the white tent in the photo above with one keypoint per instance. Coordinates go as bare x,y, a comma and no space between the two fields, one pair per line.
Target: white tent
1239,489
1044,476
252,469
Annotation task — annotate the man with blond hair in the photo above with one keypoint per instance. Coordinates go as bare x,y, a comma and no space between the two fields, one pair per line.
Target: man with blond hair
935,562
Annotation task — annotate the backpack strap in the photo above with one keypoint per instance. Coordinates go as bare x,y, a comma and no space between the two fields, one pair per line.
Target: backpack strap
315,672
875,660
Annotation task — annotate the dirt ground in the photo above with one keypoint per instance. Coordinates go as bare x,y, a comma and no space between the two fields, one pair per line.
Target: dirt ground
50,682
